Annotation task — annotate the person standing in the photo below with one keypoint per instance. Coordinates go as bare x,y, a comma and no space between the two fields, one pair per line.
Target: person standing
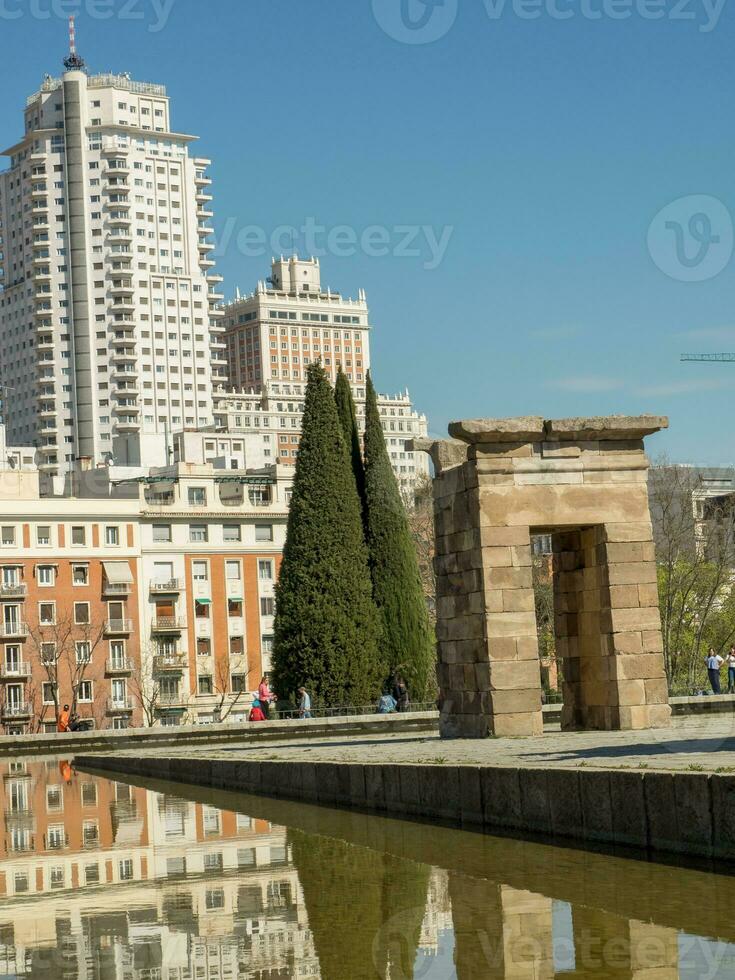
304,703
62,722
714,662
265,695
731,671
400,693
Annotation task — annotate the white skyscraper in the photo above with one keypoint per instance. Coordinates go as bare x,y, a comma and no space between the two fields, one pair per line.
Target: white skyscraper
108,323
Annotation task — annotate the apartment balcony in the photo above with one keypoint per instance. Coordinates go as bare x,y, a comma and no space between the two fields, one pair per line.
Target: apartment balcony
118,626
116,588
16,630
21,670
159,499
214,277
13,710
15,590
118,220
168,624
203,198
118,666
50,466
203,212
205,246
216,359
111,147
127,325
124,372
126,407
38,176
43,256
215,297
127,423
45,342
206,263
126,355
117,706
41,241
43,274
116,168
122,289
47,411
172,699
164,663
42,307
170,585
123,391
51,429
123,305
203,181
20,818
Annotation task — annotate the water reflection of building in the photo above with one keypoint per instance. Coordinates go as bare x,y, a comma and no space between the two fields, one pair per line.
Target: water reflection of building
100,879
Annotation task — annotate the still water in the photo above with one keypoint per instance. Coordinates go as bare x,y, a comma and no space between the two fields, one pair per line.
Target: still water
100,878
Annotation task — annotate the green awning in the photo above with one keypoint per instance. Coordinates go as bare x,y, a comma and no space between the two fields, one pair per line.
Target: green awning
203,602
234,598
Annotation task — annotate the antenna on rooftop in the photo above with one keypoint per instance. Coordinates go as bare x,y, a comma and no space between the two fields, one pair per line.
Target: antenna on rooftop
73,62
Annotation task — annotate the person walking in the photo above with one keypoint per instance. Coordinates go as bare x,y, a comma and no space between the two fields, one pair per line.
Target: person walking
62,723
731,671
714,662
304,703
400,693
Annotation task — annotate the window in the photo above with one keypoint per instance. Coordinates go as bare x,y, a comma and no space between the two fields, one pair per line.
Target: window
201,609
81,613
47,613
7,535
92,874
80,574
267,606
85,691
265,570
54,799
234,607
239,683
48,653
263,532
89,794
197,496
231,532
83,651
205,684
126,870
21,882
43,534
204,647
162,532
78,535
90,833
213,862
47,692
112,535
214,898
197,532
46,575
199,571
232,571
266,644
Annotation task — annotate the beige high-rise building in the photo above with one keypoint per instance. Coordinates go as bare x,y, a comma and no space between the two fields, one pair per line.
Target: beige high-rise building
108,319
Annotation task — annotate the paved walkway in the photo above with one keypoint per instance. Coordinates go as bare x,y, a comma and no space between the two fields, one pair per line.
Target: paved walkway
706,744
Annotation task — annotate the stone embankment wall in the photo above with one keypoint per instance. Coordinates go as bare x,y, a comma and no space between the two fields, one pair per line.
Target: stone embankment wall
659,812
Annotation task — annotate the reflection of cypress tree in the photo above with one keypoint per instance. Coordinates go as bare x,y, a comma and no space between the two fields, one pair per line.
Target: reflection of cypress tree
365,907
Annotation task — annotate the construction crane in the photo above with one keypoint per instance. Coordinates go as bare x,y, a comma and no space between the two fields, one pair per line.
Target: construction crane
707,357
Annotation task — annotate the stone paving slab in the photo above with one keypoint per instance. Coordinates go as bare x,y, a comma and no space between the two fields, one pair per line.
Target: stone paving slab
694,744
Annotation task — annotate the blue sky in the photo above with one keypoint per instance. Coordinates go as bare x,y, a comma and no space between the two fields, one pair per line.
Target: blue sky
541,149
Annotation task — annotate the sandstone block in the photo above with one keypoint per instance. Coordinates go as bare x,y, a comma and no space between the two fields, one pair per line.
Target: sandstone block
630,551
632,573
515,702
508,578
627,532
513,624
517,600
519,675
529,428
497,557
526,723
648,594
626,596
652,641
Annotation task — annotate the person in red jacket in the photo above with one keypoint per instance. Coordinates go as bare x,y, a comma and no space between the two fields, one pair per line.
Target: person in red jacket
256,712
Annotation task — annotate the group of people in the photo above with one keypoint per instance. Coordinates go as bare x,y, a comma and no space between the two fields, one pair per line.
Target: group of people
69,721
714,664
263,698
395,696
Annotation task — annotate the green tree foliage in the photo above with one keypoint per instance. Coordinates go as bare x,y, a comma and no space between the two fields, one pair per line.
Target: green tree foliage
348,421
327,629
408,642
365,907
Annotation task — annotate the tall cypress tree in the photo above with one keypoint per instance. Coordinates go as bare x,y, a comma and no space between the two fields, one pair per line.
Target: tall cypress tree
348,421
327,628
408,642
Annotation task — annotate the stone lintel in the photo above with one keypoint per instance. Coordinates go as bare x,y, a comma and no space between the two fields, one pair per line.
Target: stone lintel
526,428
604,428
534,428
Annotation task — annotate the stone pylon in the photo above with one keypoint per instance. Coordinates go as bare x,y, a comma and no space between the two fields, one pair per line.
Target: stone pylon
584,482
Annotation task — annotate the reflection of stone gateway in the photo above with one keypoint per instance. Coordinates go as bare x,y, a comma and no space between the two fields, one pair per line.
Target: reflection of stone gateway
584,481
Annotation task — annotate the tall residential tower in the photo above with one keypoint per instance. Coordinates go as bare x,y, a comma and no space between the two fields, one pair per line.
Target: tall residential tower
108,325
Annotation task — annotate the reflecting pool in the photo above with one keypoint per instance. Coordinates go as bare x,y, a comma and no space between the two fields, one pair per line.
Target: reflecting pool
100,878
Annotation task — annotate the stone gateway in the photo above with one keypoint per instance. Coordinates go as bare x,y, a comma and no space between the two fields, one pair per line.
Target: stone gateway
584,482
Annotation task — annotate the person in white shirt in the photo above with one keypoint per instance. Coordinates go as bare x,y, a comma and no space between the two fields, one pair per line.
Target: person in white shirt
731,671
714,661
